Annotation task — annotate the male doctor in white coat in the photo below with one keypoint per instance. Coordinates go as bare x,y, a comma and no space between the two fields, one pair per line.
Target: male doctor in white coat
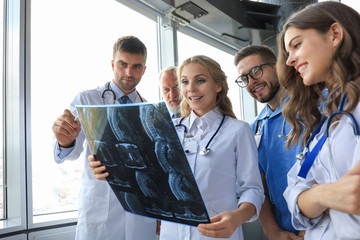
101,216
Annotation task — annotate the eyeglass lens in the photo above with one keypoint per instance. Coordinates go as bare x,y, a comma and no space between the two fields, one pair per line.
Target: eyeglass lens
255,73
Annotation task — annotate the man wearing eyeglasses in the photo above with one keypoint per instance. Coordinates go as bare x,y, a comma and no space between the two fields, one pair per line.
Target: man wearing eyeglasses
257,73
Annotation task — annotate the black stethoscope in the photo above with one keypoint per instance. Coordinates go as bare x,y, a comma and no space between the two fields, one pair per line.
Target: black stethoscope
206,150
108,89
307,157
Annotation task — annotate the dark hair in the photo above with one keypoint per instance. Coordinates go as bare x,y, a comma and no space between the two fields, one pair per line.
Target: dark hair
302,109
130,44
265,52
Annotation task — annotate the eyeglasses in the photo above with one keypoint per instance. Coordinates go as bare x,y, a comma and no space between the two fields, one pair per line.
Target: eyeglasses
255,73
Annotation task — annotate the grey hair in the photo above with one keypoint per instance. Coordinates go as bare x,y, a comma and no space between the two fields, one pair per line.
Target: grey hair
170,68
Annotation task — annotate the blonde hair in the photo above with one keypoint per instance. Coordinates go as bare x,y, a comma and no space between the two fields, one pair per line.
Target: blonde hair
222,100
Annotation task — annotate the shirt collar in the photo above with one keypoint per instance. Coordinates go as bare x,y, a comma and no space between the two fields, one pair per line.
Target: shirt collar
119,93
209,118
268,113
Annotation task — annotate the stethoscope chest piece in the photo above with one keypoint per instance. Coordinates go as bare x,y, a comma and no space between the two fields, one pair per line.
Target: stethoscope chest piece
204,151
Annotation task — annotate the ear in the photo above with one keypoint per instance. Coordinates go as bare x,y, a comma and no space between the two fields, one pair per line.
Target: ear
336,33
112,65
218,88
143,70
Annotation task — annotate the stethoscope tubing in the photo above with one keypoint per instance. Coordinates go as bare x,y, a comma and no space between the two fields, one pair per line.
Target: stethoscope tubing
108,89
307,157
328,120
206,149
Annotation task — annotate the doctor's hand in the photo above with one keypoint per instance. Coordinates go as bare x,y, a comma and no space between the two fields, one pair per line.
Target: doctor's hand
97,168
66,129
344,195
224,224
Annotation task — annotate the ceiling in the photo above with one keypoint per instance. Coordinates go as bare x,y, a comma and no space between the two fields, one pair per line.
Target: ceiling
234,22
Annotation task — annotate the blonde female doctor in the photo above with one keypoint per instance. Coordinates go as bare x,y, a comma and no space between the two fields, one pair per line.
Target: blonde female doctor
221,151
319,48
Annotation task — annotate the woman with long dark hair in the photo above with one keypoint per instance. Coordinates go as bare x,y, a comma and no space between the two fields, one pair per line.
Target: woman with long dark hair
318,49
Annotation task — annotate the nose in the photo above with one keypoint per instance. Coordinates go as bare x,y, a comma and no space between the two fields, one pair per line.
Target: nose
251,80
128,71
290,61
174,93
191,86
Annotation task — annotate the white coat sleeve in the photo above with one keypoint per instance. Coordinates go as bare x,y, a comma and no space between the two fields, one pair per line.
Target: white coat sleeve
347,225
291,195
248,175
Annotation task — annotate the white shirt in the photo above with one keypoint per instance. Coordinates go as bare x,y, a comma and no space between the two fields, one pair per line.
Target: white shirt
232,160
327,168
101,216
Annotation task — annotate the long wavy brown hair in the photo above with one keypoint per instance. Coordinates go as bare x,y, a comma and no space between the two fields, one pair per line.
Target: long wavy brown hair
302,110
222,100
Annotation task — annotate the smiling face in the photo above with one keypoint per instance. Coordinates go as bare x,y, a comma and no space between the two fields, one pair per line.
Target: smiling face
310,53
198,88
265,88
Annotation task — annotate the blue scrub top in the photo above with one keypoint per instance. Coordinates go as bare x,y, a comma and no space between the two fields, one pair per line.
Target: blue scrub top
275,160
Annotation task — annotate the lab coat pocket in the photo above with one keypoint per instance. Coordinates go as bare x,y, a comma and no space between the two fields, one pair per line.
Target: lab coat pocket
94,203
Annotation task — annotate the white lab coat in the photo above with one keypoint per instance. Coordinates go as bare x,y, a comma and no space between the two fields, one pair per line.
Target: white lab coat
345,149
232,160
101,216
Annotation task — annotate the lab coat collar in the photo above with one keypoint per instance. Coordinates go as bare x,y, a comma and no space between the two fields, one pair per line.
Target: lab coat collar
210,117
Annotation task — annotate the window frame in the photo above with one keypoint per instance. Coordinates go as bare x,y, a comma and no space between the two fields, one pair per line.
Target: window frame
17,112
14,117
2,22
67,218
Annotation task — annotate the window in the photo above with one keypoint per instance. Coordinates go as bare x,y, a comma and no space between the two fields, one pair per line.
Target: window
71,51
2,195
354,4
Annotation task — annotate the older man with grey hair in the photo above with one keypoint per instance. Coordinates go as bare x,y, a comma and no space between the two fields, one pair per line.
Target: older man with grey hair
170,90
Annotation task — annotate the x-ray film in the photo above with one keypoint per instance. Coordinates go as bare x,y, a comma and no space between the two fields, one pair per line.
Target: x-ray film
148,169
